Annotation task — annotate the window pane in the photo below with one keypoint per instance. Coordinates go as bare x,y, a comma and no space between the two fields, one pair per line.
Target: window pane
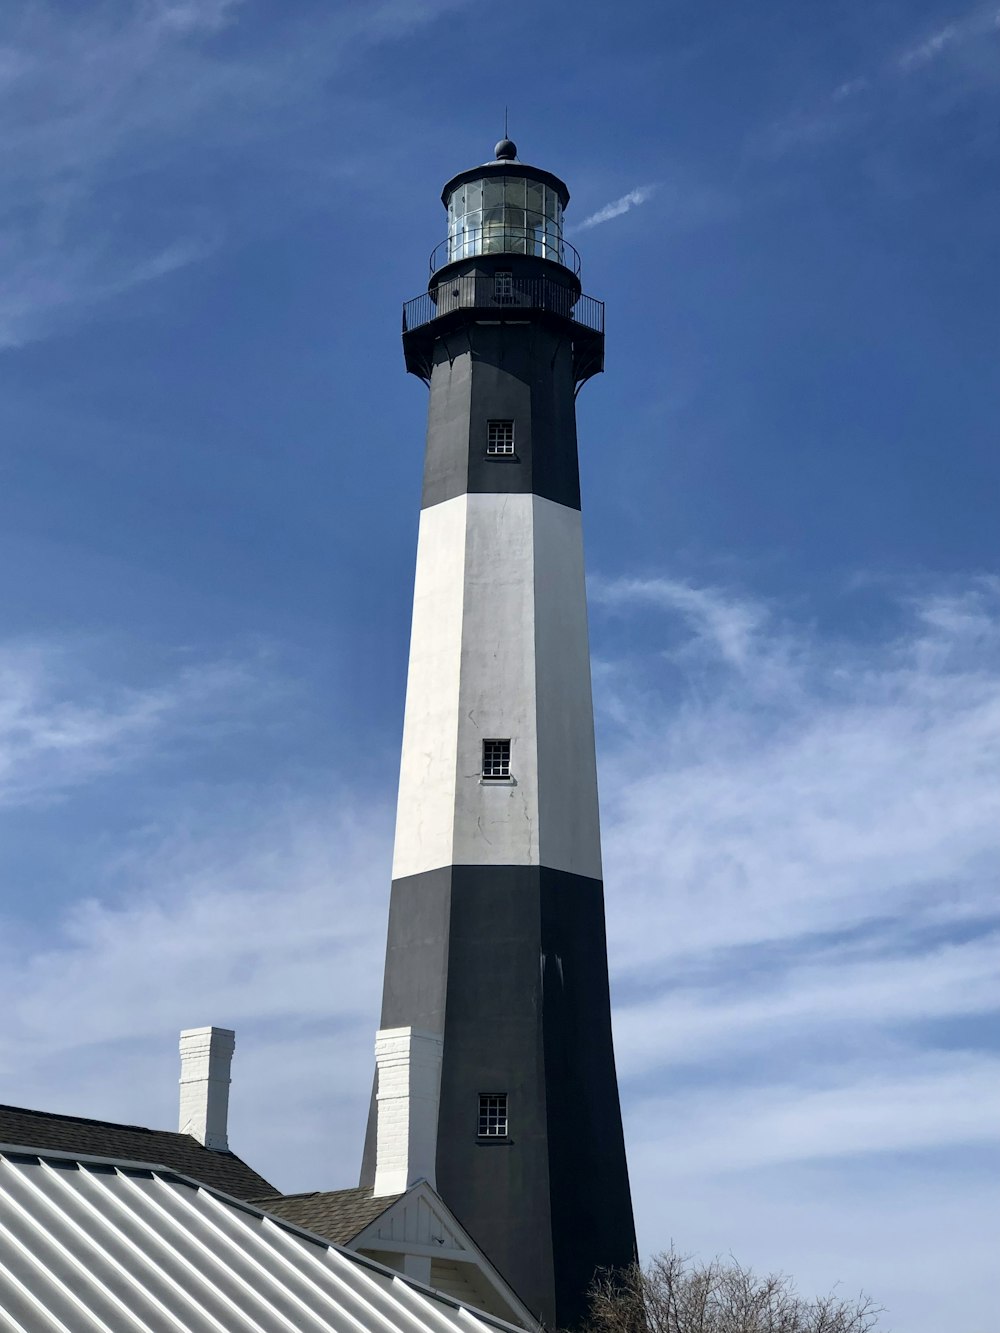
474,195
493,192
551,202
534,198
535,230
513,191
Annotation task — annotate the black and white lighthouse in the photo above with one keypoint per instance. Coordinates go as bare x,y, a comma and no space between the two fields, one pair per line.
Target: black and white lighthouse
495,1066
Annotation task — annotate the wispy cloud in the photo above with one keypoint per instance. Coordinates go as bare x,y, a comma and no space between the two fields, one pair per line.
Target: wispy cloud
965,50
820,769
850,88
802,846
731,626
194,15
84,98
930,48
917,1102
43,286
808,829
618,207
982,22
60,728
93,99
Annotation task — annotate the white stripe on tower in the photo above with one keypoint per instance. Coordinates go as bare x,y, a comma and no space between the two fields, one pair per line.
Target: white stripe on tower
499,649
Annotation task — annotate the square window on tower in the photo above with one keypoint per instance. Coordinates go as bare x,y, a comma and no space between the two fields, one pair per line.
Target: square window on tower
500,439
496,759
492,1115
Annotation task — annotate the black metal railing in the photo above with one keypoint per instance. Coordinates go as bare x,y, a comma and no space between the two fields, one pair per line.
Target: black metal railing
505,299
496,240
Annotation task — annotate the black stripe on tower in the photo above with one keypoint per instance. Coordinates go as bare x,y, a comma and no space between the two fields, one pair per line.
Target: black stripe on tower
485,372
510,963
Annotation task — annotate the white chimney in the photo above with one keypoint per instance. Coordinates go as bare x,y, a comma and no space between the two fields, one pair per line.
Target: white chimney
408,1064
206,1057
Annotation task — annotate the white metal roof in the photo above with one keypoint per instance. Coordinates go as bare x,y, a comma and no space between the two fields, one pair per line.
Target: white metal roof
88,1244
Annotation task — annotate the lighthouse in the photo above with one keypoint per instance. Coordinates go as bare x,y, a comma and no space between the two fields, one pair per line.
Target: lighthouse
495,1071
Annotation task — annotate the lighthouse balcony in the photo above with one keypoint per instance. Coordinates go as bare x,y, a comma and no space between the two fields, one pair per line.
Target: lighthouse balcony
503,298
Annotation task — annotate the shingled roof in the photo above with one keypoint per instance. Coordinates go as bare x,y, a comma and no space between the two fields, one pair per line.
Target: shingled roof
160,1147
337,1215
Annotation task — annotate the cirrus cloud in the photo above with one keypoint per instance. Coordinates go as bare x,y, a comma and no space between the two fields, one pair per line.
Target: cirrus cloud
618,207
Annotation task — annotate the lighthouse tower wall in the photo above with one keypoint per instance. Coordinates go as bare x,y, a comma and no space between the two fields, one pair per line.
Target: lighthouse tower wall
496,938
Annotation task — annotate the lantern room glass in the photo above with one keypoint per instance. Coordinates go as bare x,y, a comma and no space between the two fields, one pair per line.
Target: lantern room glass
505,215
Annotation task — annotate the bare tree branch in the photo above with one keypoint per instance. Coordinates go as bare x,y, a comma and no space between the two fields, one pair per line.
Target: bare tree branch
677,1294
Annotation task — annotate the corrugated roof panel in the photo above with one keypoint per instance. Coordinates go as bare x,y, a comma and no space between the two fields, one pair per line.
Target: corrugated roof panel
114,1241
240,1247
32,1312
93,1276
216,1274
189,1288
446,1318
89,1245
370,1294
42,1257
307,1273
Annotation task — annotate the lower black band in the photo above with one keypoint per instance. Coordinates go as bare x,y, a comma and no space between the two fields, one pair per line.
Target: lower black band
510,963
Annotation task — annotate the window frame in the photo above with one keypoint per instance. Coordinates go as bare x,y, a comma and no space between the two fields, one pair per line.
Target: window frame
500,441
501,761
493,1123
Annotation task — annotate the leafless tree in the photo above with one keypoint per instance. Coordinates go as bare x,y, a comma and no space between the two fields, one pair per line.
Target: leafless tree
675,1294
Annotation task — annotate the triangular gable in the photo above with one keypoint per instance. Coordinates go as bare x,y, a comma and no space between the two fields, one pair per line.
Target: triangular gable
420,1217
420,1223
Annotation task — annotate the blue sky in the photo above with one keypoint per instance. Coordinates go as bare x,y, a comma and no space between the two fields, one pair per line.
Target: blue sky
211,212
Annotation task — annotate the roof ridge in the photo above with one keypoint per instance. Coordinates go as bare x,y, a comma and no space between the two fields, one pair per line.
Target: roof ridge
89,1120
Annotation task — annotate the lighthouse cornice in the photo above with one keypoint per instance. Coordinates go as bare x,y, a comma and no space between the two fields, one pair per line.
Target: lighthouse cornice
507,167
